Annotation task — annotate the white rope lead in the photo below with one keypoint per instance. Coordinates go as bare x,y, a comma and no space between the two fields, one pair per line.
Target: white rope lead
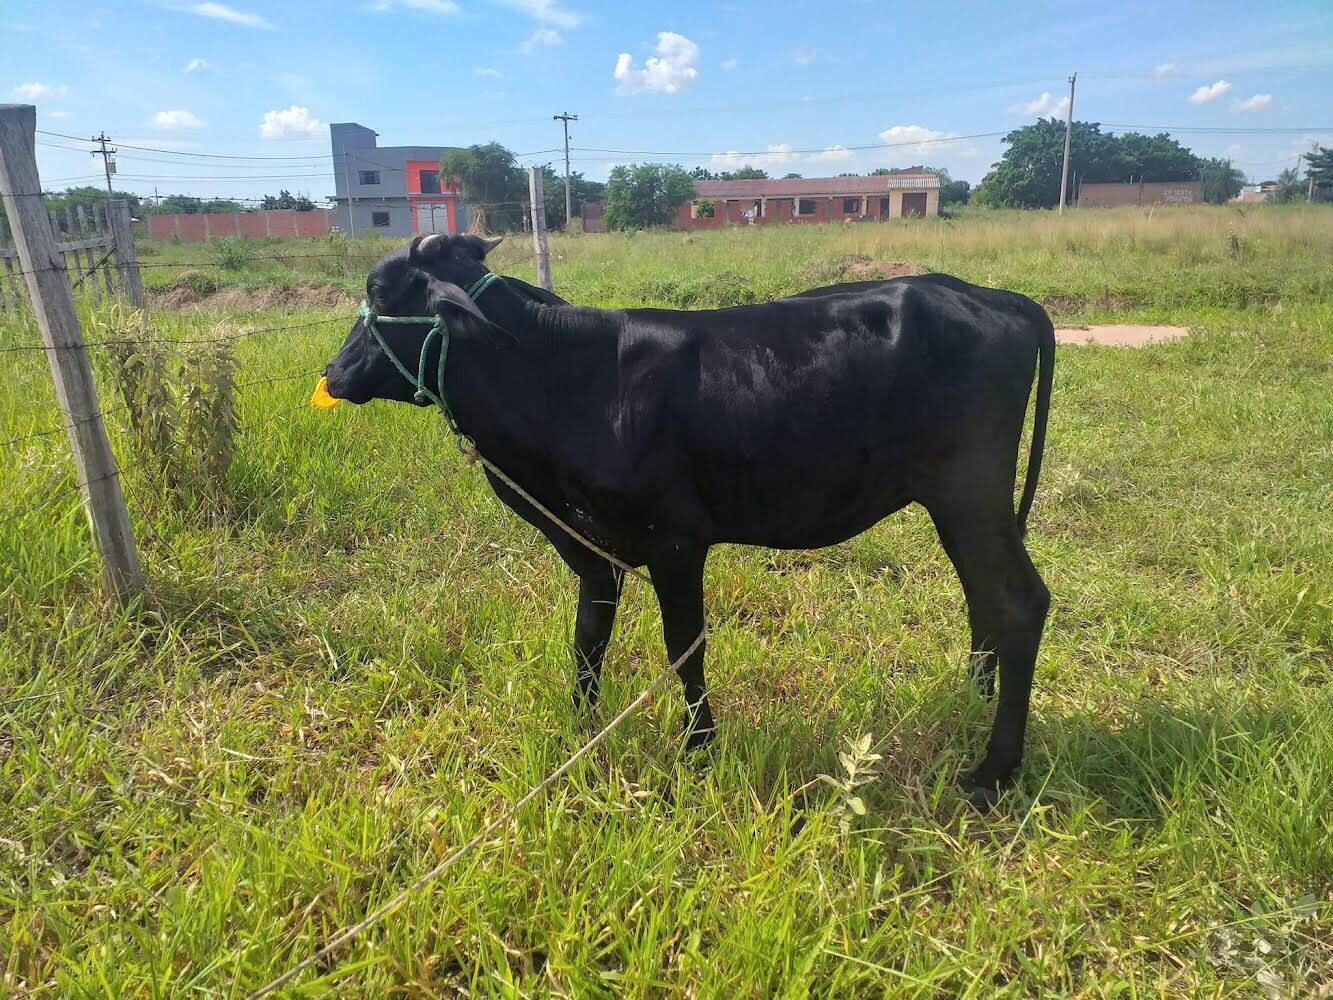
347,934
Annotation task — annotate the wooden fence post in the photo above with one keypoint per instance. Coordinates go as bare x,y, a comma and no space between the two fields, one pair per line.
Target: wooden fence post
539,228
53,304
127,258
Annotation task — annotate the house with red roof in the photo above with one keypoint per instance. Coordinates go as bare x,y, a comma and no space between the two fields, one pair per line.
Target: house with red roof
768,201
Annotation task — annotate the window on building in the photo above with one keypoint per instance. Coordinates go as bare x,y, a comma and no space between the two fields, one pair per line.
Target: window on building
368,176
703,209
805,206
851,206
379,219
430,182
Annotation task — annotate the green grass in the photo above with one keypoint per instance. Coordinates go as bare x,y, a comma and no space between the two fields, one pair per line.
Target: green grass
343,673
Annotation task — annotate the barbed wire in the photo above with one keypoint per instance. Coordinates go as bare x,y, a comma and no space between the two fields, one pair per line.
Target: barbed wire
217,263
122,468
130,339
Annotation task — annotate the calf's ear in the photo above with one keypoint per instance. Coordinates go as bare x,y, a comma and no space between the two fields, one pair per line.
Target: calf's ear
446,299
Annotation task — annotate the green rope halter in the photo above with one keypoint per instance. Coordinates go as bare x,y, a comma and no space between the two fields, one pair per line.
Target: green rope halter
438,329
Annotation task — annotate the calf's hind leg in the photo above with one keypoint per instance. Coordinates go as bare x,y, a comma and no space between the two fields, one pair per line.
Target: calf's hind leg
981,659
678,580
1007,602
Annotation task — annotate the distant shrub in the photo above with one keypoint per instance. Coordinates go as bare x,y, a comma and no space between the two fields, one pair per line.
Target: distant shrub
232,253
198,282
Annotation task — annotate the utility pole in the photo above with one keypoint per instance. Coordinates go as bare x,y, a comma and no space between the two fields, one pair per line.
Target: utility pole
108,161
1069,128
566,117
347,182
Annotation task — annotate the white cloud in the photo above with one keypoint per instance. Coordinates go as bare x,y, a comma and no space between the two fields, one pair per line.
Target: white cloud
545,11
1209,92
195,65
58,114
668,72
730,64
1256,103
910,141
777,155
804,57
222,12
34,91
834,154
488,71
1163,70
176,118
294,123
444,7
540,37
1044,105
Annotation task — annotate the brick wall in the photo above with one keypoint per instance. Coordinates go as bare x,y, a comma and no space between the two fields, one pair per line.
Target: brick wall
254,225
1150,193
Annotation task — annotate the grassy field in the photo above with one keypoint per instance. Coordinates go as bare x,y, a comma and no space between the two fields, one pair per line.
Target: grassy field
351,658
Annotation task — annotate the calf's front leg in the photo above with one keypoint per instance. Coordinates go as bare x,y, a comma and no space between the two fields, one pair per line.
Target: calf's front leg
599,593
678,579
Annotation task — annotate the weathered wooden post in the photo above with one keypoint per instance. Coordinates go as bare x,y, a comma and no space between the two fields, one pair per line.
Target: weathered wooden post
53,304
539,228
127,258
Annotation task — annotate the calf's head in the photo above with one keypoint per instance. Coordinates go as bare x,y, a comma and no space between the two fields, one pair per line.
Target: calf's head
420,279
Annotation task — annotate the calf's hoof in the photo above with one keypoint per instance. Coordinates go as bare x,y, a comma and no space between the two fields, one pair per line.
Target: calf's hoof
699,732
584,701
982,797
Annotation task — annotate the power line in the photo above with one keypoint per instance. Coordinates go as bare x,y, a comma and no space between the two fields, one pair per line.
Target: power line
180,152
1224,130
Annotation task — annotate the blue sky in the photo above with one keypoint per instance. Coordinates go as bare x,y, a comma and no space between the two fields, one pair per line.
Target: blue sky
802,84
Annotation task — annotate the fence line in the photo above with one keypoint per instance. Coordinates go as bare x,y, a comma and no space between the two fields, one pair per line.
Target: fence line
120,408
85,243
142,264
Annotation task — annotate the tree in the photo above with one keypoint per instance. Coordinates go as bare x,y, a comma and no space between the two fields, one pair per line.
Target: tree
1221,181
1028,174
89,196
791,177
745,173
1319,167
646,194
1152,158
581,191
183,204
952,192
1290,187
285,199
492,182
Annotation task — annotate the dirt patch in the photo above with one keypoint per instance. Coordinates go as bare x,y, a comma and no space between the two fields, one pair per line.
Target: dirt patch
1119,335
865,269
304,297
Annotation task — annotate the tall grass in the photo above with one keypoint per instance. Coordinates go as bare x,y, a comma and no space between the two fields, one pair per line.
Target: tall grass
1150,263
344,673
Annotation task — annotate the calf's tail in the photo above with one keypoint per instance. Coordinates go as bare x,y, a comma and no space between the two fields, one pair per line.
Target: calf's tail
1045,374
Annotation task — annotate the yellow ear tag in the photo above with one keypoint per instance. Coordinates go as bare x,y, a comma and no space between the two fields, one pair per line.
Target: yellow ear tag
321,398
